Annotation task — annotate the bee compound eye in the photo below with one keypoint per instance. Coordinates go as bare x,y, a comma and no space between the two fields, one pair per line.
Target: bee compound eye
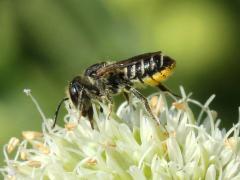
74,93
74,90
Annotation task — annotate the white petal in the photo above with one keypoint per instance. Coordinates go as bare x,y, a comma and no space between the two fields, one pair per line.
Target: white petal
191,150
211,173
136,173
174,151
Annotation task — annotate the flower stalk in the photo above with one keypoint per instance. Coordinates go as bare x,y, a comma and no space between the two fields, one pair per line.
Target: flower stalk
129,145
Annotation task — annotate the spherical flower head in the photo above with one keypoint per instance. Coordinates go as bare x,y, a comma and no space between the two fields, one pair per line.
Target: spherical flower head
129,144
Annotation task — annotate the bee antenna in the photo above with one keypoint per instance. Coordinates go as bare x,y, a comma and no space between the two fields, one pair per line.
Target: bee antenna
57,111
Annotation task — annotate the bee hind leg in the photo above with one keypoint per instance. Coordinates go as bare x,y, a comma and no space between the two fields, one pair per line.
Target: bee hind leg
165,89
145,102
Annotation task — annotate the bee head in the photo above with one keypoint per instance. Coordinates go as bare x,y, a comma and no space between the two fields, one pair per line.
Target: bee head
77,90
78,94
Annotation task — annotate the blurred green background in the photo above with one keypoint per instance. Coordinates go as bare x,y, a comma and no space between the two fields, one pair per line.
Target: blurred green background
44,43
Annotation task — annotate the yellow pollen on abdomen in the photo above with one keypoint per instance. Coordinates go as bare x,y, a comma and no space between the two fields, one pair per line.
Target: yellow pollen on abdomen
158,77
150,81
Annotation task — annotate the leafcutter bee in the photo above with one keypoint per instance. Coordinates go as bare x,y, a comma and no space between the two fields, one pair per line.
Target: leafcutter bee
103,80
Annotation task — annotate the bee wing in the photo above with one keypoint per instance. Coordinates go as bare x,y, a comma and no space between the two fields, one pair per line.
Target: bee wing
120,65
92,70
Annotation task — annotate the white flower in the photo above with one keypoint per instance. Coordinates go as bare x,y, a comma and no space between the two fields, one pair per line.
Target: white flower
129,145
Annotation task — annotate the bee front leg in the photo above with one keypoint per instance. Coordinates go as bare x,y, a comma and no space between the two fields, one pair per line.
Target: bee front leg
87,110
90,116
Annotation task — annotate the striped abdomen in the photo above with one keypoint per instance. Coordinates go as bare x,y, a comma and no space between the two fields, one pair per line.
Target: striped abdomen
150,70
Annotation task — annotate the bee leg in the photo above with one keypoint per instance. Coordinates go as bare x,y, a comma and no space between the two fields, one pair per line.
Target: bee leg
110,107
90,116
165,89
88,111
144,100
125,94
80,107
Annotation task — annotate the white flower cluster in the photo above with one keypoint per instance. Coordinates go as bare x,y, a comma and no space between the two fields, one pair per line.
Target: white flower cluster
129,145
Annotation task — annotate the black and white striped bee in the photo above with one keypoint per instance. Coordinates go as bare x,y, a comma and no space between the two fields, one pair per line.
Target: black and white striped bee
103,80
